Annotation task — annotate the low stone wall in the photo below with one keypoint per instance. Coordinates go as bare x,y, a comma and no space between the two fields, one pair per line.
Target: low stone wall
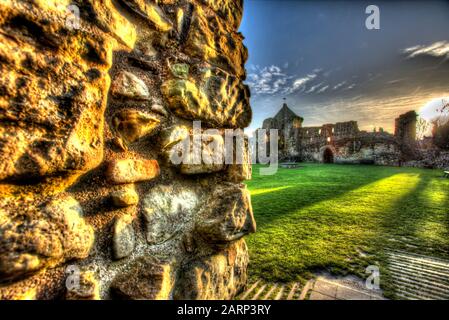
367,149
432,159
95,94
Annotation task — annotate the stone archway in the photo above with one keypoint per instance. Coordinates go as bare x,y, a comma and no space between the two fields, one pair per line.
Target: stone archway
328,155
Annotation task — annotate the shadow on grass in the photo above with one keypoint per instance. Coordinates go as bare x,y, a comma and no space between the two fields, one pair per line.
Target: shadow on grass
338,217
419,221
292,189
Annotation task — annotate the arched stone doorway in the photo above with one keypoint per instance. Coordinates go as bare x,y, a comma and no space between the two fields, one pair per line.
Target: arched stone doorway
328,156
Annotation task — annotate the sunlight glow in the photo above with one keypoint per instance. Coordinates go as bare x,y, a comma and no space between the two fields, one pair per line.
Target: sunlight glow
354,200
263,191
432,109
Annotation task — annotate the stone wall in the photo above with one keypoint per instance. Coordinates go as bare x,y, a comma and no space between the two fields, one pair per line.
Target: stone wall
365,148
346,129
430,158
91,109
343,140
347,144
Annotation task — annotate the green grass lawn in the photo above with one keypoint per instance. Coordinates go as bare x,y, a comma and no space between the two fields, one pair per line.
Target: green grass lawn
341,218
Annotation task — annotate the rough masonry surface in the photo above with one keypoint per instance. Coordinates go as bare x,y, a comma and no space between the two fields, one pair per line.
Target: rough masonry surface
94,96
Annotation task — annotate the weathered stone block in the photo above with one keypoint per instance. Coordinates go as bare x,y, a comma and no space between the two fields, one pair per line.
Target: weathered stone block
151,12
127,85
211,156
131,125
124,237
130,170
54,82
157,108
172,136
220,100
241,168
211,40
85,288
228,215
35,237
228,96
180,70
210,153
185,99
147,279
219,276
110,20
125,196
166,210
230,11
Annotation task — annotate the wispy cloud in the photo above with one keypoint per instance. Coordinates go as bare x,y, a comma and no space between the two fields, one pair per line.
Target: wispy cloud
313,88
364,109
323,89
339,85
275,80
438,49
300,83
266,80
395,81
352,86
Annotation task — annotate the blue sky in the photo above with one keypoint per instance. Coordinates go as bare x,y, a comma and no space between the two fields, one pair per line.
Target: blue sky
330,67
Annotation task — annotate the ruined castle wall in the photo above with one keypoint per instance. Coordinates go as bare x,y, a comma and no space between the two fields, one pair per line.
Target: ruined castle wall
91,111
346,129
405,133
405,127
348,144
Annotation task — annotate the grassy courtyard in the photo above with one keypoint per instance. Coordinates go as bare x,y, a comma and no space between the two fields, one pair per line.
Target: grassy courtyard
341,218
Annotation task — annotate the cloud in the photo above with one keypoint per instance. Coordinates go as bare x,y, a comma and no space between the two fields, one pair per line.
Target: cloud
300,84
438,49
395,81
339,85
313,88
364,109
274,80
323,89
352,86
266,80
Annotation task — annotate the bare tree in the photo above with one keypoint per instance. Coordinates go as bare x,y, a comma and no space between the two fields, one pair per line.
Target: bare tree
440,129
422,127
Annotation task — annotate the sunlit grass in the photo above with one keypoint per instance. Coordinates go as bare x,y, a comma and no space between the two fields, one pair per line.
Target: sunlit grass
341,218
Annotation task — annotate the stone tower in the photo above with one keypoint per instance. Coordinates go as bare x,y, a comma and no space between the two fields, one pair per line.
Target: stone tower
405,133
405,127
288,124
95,95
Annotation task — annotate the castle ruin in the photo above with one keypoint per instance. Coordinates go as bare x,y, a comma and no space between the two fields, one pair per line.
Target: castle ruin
342,142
